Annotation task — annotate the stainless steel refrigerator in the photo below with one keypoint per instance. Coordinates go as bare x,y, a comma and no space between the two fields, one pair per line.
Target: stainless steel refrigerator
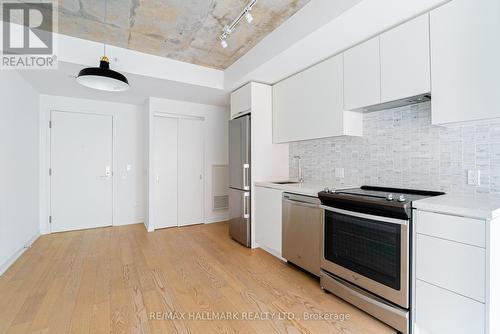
239,180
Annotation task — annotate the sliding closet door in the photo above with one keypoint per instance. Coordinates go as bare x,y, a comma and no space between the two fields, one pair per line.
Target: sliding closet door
165,172
191,163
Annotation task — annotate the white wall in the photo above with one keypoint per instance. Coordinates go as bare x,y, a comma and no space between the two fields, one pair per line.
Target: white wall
18,166
216,142
128,148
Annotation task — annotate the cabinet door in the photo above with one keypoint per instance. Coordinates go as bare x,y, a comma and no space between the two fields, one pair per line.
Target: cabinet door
190,183
405,60
241,100
465,53
460,229
309,104
451,265
267,219
444,312
362,75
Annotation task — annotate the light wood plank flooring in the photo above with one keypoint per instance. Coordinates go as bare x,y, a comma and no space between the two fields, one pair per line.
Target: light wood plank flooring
111,280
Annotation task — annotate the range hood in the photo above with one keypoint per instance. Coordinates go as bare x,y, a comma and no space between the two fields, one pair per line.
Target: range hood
398,103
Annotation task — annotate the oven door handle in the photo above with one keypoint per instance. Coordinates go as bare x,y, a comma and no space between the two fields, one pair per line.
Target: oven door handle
366,216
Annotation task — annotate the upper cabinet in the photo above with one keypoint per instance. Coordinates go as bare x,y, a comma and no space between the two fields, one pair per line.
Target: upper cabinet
310,105
392,66
362,75
241,101
465,61
405,60
457,41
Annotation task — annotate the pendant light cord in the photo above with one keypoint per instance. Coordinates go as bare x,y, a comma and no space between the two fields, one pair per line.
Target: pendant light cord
105,22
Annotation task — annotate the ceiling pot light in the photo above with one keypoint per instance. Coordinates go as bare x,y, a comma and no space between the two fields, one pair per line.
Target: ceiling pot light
103,78
249,17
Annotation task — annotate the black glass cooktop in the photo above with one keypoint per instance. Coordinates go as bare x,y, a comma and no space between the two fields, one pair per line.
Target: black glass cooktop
389,202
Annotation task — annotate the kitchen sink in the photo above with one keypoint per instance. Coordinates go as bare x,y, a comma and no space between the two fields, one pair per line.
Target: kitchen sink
286,182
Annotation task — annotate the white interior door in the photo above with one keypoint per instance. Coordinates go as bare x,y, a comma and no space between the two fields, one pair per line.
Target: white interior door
81,160
191,163
165,174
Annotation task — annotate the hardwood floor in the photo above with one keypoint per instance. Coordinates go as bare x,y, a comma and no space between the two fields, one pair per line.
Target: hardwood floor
116,280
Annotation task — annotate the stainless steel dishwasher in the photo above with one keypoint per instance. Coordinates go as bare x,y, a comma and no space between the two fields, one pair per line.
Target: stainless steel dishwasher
301,231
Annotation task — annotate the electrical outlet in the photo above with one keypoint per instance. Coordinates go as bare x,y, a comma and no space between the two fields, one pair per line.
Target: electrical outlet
474,177
339,172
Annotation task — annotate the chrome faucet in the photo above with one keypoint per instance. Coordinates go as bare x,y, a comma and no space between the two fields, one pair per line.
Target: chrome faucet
299,166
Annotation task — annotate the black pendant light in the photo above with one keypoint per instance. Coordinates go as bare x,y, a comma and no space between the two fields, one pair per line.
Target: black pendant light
102,77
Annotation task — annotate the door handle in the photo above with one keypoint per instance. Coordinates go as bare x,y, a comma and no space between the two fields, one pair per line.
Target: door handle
246,214
107,173
246,168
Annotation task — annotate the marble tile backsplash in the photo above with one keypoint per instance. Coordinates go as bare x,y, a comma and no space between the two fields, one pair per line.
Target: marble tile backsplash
400,148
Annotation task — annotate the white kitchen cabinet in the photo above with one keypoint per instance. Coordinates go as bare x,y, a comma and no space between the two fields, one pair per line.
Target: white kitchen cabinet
241,100
456,282
405,60
442,262
439,311
465,53
460,229
362,75
309,105
267,219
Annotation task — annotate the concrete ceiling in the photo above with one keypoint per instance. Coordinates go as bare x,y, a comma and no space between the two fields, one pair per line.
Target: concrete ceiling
184,30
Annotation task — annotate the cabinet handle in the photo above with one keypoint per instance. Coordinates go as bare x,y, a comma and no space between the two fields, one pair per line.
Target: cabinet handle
246,168
246,214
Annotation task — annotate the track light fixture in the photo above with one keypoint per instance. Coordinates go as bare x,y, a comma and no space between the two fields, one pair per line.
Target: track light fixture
228,29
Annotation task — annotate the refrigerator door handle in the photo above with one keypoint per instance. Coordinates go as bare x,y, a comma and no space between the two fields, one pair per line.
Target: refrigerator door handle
246,168
246,214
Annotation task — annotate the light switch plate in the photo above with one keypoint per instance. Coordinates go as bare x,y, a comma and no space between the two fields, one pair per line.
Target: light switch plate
474,177
339,172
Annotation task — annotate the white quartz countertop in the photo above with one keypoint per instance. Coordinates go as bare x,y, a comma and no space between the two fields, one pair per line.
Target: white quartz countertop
481,206
306,188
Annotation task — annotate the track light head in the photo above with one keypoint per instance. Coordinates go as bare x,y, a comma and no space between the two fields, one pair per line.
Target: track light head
249,17
227,30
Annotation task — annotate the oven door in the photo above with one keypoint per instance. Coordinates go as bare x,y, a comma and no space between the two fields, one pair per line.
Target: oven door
369,251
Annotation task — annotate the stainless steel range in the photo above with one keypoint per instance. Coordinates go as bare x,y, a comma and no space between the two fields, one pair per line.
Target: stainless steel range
366,249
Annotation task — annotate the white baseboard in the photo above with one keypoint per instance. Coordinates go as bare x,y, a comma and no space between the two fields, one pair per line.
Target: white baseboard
138,221
272,252
6,265
216,220
147,227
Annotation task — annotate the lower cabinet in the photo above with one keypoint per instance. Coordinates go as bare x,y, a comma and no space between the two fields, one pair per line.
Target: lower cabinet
439,311
452,275
457,267
267,219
